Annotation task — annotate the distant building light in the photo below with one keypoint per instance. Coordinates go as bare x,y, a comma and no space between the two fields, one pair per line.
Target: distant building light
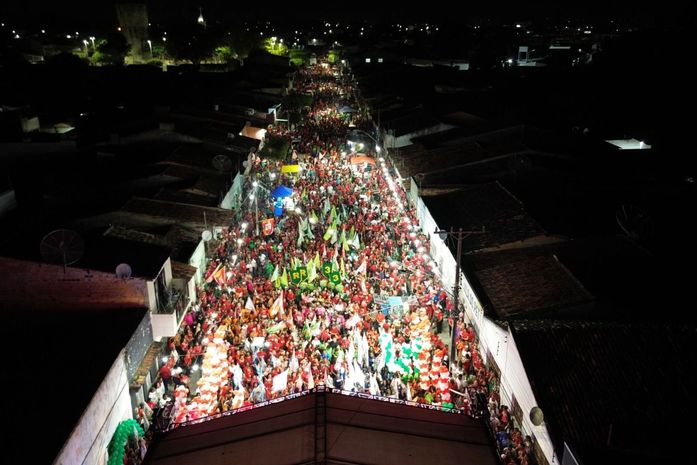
379,60
118,28
586,32
367,60
509,61
68,36
16,36
43,31
518,26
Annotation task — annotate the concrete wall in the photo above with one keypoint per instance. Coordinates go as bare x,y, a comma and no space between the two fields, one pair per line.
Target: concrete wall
163,325
198,259
52,287
404,140
494,339
110,405
233,195
137,346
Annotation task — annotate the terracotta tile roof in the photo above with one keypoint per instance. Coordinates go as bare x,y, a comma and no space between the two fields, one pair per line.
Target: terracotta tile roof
523,285
183,270
181,213
589,376
488,205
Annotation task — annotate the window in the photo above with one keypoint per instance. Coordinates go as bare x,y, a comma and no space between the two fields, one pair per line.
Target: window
379,60
367,60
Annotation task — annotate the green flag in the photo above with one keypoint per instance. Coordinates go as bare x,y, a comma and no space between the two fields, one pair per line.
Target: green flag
318,263
335,277
284,278
327,269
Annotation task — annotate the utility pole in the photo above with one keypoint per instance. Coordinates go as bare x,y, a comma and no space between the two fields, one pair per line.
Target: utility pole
459,235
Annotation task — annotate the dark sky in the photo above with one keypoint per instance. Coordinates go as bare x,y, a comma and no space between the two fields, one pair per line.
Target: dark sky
100,12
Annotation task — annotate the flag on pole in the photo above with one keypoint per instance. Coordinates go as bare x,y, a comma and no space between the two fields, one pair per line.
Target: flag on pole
343,267
362,268
249,305
277,306
219,276
274,276
211,277
280,381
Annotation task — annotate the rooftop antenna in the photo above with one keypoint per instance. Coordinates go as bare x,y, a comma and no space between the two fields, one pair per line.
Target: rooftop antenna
123,271
62,246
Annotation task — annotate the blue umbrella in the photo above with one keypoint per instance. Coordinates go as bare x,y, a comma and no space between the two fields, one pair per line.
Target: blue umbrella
281,192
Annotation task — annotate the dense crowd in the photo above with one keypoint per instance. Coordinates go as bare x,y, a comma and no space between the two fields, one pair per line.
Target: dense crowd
366,313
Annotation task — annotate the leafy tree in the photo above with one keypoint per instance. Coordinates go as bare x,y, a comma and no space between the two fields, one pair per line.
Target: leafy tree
112,50
275,47
191,43
240,42
224,53
275,147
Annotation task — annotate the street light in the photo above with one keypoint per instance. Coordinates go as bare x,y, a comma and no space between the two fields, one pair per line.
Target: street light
92,39
459,235
150,45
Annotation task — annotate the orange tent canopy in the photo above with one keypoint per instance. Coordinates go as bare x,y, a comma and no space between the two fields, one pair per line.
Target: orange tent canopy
362,159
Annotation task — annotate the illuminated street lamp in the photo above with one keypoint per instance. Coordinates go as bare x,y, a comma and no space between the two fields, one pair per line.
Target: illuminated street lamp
150,46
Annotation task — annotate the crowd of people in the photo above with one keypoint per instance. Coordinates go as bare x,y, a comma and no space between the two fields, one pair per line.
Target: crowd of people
332,285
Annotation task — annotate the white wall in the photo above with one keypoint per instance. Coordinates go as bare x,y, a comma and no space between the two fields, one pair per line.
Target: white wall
110,405
497,340
163,325
198,259
168,272
404,140
233,194
514,380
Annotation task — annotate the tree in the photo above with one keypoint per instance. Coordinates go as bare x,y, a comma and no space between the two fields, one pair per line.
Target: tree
275,147
112,50
191,43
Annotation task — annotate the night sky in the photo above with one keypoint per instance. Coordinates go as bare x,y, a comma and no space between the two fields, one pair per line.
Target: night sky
99,13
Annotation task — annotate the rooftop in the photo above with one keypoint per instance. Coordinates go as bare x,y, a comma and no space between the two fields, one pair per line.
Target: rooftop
488,206
179,213
62,349
285,432
601,383
144,253
520,285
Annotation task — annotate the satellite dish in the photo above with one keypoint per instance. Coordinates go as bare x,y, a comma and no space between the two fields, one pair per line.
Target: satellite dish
123,270
222,163
536,416
62,246
206,235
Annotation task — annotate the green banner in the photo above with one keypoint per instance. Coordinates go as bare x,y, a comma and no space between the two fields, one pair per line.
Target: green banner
327,269
335,277
298,274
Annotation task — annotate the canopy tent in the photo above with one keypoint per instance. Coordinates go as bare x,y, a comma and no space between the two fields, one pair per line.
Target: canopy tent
360,158
281,192
290,168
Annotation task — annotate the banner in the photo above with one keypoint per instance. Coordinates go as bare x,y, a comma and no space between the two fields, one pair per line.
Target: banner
298,274
267,226
327,269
